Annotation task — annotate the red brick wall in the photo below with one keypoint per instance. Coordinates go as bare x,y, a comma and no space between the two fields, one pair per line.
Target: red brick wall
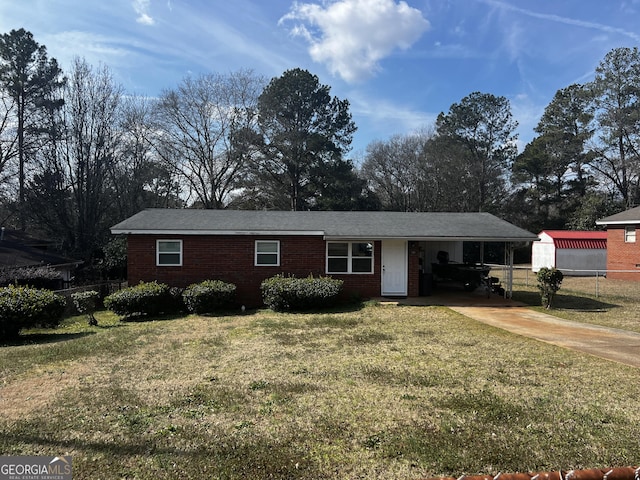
622,255
231,259
413,289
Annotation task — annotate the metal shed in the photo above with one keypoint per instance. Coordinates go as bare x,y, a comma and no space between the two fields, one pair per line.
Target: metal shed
575,253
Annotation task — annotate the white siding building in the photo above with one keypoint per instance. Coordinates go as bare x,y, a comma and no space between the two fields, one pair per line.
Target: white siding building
575,253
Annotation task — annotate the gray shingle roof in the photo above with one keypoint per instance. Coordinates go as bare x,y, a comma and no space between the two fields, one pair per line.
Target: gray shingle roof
631,216
355,225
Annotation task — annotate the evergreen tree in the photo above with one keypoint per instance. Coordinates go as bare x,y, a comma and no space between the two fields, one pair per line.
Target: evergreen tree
33,82
616,90
302,130
482,123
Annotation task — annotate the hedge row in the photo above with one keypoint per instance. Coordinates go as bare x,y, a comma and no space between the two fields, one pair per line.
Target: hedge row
280,293
44,277
24,307
153,298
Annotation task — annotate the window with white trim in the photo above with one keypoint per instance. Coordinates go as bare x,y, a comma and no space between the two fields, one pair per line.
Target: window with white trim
349,257
630,234
267,253
169,253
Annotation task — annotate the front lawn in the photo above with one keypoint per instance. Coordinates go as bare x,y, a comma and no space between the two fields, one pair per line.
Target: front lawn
383,392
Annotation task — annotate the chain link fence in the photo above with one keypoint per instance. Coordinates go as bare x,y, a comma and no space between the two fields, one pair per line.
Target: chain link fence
586,282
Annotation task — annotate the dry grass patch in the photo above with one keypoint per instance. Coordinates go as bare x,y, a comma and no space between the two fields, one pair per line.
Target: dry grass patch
381,392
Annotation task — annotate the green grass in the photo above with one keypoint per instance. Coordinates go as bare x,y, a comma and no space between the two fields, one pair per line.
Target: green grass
381,392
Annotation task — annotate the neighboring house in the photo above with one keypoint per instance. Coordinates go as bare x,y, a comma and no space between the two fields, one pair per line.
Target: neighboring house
623,249
575,253
19,250
375,253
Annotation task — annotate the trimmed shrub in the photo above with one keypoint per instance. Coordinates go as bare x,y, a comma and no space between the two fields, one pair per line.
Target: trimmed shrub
282,293
86,302
146,298
24,307
44,277
209,296
549,281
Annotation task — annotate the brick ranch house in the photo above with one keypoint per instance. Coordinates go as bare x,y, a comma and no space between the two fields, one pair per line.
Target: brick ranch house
623,249
375,253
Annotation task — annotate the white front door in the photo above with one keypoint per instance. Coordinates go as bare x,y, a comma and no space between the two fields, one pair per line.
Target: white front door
394,268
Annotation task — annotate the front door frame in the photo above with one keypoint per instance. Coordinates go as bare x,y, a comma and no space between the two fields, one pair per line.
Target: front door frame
394,275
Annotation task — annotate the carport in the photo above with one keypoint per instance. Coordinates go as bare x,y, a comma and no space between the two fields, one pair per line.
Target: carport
450,232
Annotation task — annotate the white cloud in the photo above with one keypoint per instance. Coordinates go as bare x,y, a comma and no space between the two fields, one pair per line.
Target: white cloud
352,36
141,7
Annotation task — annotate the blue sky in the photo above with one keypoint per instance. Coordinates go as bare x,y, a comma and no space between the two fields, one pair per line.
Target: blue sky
399,63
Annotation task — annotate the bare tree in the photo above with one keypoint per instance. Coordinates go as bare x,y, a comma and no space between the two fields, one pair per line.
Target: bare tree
137,175
8,138
394,169
419,172
199,124
70,195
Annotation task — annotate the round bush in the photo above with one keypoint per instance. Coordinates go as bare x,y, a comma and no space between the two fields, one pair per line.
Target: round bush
282,293
24,307
209,296
86,302
146,298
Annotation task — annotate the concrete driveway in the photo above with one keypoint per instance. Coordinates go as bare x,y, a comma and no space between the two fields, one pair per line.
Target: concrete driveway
612,344
609,343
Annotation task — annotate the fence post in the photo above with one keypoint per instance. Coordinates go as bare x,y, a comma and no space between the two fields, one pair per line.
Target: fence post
597,284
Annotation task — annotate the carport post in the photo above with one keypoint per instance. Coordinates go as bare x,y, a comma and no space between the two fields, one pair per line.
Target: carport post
511,252
509,260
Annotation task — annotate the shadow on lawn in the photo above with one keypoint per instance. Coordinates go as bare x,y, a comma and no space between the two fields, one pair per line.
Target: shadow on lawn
43,338
565,301
231,458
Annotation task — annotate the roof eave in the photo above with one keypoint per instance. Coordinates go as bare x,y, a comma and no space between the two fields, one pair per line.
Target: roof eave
319,233
618,222
119,231
431,238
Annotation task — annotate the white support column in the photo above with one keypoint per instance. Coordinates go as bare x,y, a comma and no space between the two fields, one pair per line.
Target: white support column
509,253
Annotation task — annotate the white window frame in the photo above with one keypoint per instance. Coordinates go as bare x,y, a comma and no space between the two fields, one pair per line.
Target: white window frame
257,253
158,252
629,234
350,257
